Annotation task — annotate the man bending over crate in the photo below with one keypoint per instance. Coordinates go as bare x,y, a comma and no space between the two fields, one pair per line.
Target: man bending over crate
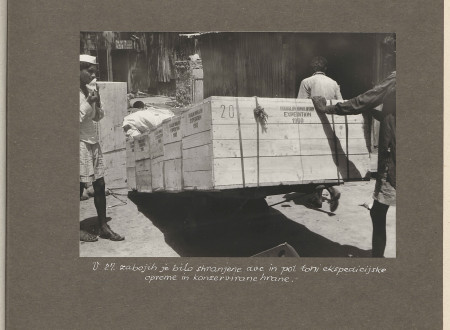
384,93
91,159
321,85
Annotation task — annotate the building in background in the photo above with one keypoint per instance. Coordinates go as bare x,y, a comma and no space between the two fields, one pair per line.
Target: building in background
144,60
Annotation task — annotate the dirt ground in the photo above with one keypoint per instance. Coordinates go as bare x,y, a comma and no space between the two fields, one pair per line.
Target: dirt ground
160,226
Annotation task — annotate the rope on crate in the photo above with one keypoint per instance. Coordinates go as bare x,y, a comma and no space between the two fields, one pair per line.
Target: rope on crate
240,142
260,116
261,120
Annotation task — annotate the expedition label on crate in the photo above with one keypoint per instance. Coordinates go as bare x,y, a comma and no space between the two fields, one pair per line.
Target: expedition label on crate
297,113
194,117
141,143
159,135
295,108
174,128
131,145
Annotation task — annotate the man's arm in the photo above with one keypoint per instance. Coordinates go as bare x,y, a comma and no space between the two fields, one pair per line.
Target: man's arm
367,101
99,112
360,104
98,107
304,92
85,108
376,112
338,95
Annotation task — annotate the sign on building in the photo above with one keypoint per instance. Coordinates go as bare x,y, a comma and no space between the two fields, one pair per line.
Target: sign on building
124,44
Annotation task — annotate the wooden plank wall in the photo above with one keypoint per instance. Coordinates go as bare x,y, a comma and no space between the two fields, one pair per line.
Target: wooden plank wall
273,64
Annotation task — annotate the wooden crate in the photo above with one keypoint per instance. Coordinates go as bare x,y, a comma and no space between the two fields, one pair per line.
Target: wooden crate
157,158
130,163
114,101
172,137
131,178
115,164
109,129
143,175
197,147
223,146
142,147
130,152
143,171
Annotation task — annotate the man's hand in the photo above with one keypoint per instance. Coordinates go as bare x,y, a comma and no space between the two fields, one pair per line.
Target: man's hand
93,97
98,102
319,103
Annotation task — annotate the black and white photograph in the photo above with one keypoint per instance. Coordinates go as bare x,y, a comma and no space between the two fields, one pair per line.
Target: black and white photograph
237,144
238,164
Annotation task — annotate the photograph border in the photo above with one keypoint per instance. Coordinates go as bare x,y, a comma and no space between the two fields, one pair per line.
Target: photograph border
50,287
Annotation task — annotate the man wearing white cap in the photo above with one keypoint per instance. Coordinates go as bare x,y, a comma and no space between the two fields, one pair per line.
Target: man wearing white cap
91,159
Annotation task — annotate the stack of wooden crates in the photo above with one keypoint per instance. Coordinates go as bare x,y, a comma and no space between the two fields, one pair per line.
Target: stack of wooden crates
110,133
219,144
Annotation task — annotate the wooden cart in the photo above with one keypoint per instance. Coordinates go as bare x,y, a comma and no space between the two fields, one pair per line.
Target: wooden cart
218,149
219,146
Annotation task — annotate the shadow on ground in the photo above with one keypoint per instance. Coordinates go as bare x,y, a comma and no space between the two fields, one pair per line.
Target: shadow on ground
229,228
90,225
